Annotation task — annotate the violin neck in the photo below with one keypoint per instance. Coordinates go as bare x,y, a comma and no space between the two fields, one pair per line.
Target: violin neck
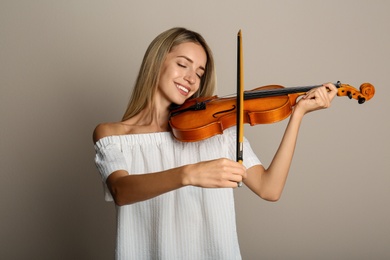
280,91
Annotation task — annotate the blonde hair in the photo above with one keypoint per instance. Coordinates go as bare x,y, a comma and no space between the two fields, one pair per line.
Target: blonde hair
149,73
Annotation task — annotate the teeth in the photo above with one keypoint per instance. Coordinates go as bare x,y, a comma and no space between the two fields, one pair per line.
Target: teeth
182,88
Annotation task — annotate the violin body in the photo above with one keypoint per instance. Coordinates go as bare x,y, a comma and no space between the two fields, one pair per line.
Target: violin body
220,114
200,118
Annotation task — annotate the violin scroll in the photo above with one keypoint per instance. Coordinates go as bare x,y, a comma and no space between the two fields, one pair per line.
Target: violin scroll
367,91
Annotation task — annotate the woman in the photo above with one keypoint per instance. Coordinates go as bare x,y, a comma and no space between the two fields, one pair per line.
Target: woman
175,200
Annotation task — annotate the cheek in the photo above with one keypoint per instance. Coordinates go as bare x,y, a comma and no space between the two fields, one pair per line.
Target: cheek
169,72
195,93
163,72
164,76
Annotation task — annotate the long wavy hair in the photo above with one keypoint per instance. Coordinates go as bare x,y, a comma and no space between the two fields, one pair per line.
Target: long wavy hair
149,73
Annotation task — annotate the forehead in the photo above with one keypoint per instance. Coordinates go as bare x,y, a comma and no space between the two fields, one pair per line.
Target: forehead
193,51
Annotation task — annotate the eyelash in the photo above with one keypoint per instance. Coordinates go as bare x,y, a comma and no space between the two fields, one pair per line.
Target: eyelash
184,66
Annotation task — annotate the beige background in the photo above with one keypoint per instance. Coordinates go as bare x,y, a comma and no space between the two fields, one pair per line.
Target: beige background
65,66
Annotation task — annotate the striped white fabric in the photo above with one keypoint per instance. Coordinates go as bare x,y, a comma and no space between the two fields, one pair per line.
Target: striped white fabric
188,223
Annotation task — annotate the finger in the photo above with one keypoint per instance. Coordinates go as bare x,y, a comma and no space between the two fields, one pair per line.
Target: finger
235,167
235,178
317,98
323,96
316,93
313,93
332,90
330,86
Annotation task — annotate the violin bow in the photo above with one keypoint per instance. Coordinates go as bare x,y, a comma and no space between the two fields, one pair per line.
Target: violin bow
240,102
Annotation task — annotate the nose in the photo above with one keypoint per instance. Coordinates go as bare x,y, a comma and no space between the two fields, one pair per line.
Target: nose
190,77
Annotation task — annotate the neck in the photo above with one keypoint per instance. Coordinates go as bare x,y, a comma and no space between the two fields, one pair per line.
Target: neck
153,117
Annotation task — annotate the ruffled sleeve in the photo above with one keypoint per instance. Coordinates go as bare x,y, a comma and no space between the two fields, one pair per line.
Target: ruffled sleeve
250,158
108,159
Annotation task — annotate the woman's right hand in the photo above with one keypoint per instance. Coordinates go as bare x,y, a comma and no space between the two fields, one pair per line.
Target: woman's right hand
218,173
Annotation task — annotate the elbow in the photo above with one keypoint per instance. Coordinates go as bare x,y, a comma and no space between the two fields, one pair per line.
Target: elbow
116,184
122,196
119,202
271,193
271,196
118,195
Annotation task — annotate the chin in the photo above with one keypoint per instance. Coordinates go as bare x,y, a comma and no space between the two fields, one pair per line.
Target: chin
175,105
181,101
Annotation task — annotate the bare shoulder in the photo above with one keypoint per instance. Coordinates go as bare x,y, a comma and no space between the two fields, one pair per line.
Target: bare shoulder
107,129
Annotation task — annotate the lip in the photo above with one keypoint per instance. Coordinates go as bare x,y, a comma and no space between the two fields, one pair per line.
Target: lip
182,89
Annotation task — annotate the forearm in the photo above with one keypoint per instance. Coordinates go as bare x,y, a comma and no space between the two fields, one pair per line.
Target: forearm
128,189
274,178
218,173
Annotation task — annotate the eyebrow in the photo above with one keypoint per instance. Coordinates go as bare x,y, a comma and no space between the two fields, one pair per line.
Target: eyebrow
185,57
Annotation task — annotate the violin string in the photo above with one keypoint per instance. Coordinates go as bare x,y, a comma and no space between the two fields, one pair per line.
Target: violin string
270,92
274,92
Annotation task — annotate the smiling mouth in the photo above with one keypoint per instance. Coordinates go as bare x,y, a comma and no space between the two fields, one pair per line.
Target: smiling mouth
182,89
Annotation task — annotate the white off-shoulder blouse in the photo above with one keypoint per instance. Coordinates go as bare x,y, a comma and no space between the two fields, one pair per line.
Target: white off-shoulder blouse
187,223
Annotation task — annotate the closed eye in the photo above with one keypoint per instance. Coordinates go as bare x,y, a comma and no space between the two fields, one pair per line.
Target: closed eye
199,75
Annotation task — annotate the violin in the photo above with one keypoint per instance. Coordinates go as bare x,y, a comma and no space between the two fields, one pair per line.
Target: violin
200,118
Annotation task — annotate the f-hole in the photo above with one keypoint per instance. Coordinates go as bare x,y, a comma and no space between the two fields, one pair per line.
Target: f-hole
224,111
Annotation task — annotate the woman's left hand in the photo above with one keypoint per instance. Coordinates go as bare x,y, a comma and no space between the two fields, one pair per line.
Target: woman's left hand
317,98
